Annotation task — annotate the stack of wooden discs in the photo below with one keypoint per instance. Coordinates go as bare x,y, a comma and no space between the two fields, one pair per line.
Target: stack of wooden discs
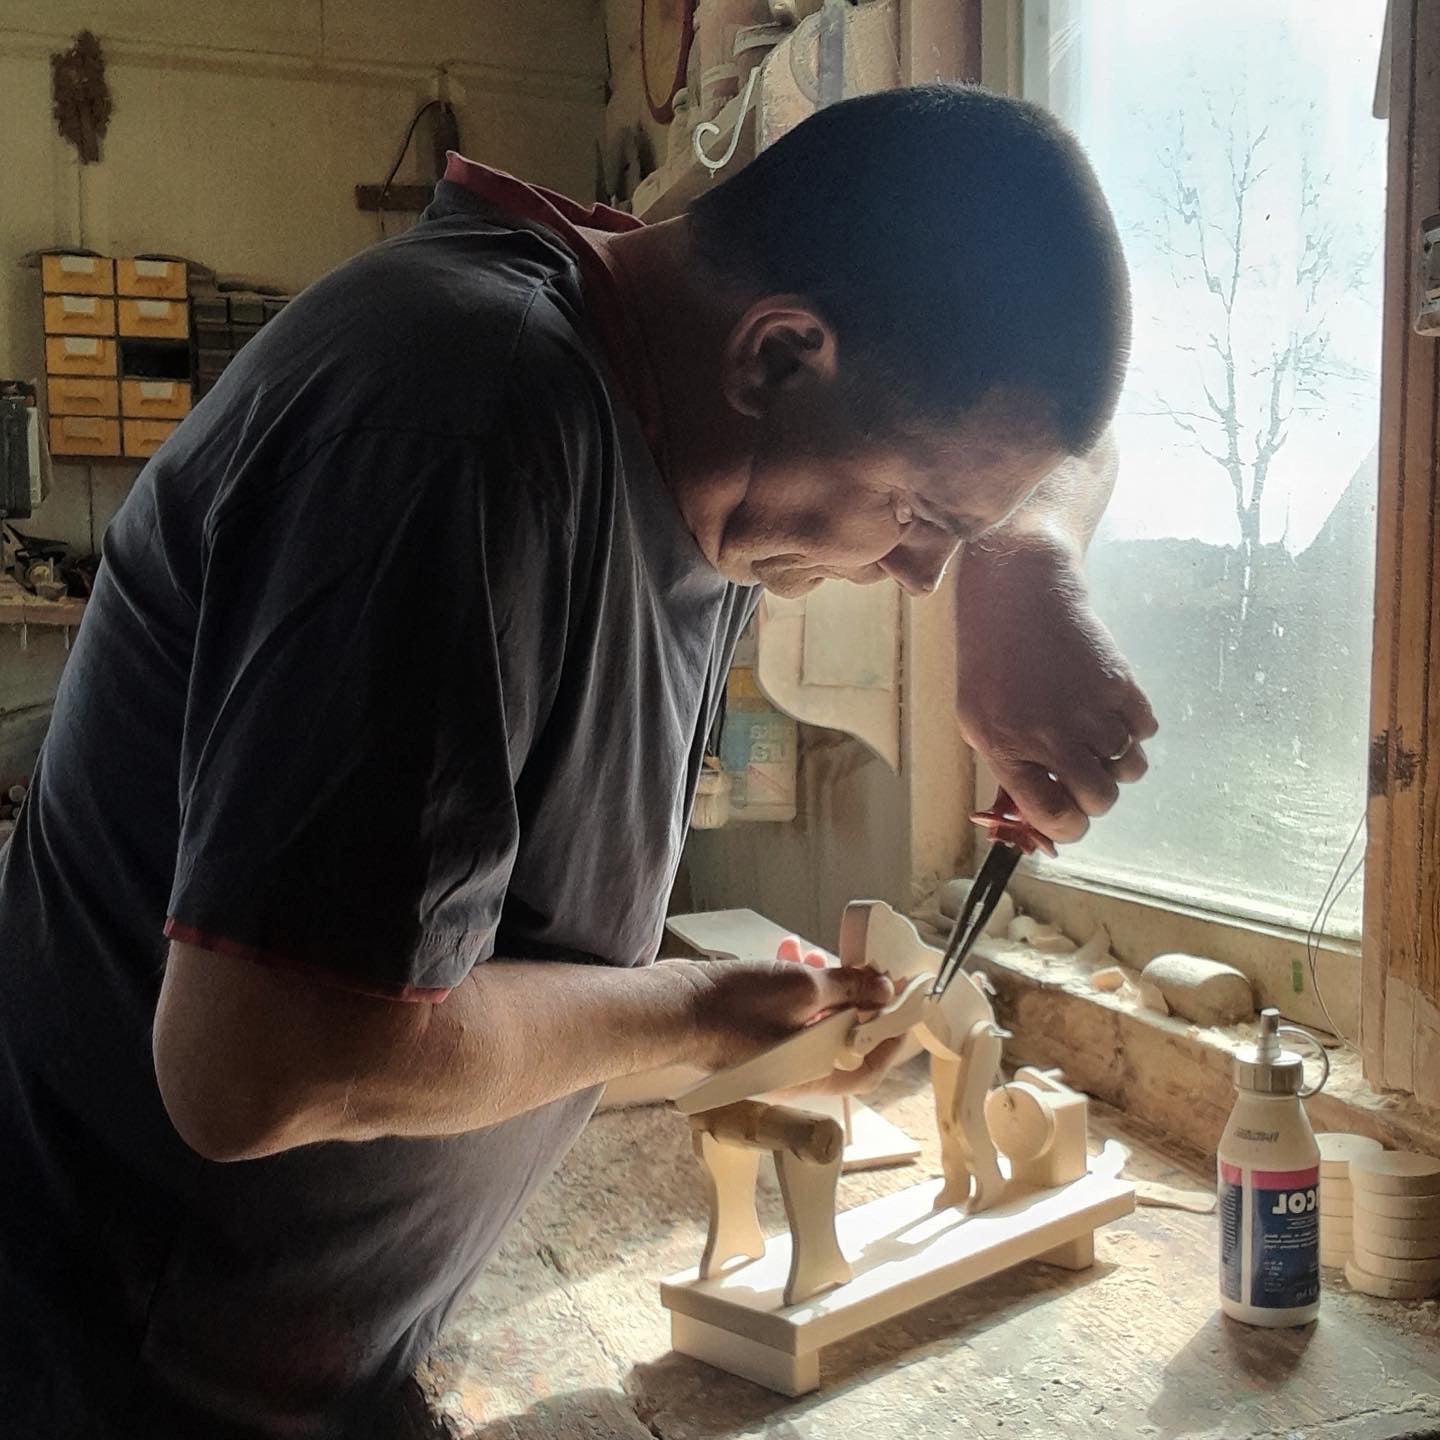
1337,1149
1395,1225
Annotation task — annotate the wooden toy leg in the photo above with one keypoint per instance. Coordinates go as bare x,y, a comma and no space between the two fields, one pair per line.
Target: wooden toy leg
967,1154
816,1261
740,1355
730,1173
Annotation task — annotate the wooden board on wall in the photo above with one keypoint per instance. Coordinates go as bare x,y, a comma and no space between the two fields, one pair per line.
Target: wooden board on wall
1400,1002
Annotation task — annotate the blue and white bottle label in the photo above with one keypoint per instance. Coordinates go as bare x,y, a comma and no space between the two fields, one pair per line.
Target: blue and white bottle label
1270,1246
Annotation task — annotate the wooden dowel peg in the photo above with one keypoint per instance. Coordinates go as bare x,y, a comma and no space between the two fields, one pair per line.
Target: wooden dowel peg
758,1126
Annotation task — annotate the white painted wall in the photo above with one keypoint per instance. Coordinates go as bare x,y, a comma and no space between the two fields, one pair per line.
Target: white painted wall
239,131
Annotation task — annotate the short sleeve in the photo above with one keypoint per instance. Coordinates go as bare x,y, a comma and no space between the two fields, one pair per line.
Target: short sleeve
378,642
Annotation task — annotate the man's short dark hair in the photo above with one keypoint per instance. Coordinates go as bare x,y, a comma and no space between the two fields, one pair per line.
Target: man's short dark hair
956,240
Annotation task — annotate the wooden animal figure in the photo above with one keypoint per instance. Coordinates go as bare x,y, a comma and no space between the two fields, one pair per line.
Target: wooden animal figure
768,1316
958,1029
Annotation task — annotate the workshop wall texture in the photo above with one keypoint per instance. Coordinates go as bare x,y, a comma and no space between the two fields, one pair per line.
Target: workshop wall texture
237,135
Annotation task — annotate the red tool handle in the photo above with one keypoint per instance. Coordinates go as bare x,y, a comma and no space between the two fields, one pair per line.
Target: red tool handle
1004,824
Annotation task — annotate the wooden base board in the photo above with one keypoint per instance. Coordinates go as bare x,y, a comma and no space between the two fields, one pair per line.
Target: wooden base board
903,1253
874,1142
743,934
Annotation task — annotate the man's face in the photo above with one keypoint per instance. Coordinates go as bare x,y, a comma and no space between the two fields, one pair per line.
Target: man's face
816,507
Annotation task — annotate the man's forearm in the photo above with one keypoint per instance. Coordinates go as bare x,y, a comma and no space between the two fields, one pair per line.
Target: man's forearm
514,1036
1064,510
340,1066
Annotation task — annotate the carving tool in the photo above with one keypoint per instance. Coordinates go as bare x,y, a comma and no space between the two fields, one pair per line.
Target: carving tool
1011,836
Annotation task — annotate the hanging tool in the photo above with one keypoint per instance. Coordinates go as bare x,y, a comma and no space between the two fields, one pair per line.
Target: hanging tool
1011,836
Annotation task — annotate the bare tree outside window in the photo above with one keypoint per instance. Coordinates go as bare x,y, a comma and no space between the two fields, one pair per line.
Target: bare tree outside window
1249,401
1235,564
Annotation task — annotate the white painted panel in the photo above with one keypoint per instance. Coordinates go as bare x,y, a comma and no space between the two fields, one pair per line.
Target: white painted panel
852,636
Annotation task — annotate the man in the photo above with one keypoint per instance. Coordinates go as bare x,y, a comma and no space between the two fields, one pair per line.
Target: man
333,902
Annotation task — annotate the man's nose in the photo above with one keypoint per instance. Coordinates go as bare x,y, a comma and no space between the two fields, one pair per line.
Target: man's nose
918,569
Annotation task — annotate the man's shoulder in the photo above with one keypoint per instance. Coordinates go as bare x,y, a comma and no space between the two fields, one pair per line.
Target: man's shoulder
431,325
472,338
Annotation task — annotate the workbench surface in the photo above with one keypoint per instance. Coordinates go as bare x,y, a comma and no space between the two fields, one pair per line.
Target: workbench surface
564,1336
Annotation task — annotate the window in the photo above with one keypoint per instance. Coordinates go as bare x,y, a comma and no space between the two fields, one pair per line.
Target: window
1236,144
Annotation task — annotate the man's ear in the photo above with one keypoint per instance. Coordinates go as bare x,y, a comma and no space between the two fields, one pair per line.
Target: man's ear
777,344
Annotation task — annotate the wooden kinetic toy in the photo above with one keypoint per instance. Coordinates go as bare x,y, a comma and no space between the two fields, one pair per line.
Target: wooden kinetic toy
765,1309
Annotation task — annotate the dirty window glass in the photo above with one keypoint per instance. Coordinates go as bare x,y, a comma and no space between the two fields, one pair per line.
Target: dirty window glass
1237,146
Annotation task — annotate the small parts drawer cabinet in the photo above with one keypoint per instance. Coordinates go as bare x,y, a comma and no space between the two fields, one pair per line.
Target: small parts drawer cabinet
154,399
157,319
80,355
84,435
79,315
77,275
159,279
74,396
117,353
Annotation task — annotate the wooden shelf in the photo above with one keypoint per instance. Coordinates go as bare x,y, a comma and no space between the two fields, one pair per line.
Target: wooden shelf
19,607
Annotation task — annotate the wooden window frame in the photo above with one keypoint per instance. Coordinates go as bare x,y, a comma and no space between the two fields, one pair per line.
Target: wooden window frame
1400,987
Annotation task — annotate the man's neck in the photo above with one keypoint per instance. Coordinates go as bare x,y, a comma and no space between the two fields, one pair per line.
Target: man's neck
684,319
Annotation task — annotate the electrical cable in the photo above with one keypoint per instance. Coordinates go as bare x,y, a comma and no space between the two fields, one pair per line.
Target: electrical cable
400,160
1323,911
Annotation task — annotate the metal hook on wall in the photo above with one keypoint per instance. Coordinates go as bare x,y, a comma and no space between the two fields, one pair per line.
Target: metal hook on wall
706,129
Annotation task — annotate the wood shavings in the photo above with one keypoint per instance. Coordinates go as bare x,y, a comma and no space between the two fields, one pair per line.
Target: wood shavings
1096,950
1151,997
1171,1197
1051,941
1022,929
951,898
1153,1193
1201,990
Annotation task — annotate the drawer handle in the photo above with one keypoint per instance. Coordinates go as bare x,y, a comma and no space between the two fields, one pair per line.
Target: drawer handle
79,305
78,264
153,309
152,269
81,345
83,429
157,389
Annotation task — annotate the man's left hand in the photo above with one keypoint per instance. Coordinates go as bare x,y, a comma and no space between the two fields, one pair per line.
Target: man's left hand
1043,692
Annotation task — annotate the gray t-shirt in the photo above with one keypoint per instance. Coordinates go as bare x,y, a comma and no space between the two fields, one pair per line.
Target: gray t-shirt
401,657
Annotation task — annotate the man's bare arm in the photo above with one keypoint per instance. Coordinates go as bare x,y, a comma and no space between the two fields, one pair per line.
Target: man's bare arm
251,1060
1043,691
1066,507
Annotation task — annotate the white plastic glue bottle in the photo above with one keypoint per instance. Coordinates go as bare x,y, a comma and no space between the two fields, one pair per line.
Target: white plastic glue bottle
1269,1184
